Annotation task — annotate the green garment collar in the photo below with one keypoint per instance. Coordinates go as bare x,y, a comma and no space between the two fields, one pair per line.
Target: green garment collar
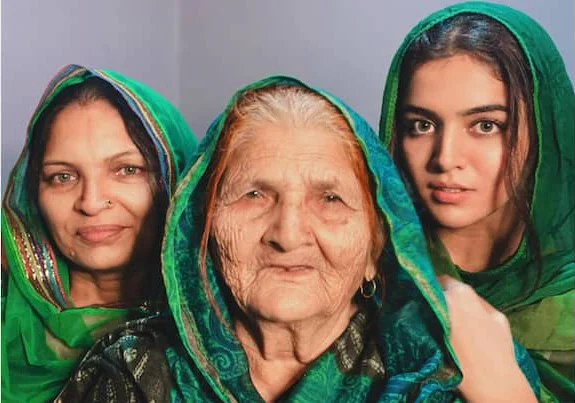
43,336
553,198
412,333
516,284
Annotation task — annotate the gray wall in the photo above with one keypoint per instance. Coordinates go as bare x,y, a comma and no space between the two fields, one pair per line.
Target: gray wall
198,52
137,37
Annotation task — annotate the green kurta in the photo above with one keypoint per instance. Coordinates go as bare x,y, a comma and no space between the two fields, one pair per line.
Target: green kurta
409,334
540,309
43,334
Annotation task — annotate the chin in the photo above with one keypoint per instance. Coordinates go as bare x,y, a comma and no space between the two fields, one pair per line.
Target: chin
103,262
456,220
288,307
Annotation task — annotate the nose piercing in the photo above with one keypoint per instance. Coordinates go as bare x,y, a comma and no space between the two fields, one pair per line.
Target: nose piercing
107,203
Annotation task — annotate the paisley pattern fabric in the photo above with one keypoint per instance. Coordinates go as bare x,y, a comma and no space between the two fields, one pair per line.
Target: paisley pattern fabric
395,350
409,331
43,335
539,304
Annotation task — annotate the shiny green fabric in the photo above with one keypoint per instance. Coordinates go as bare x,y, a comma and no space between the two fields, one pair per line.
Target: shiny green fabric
538,305
410,331
43,334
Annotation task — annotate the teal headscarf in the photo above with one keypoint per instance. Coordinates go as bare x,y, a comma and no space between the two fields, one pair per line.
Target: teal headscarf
43,334
410,331
539,305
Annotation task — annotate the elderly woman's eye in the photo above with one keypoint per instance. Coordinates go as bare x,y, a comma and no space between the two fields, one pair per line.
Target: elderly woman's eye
331,198
253,194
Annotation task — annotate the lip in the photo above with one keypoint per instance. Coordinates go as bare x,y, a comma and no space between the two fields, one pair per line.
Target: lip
291,270
94,234
448,192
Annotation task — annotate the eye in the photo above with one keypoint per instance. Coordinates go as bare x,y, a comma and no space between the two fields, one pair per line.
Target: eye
253,194
420,126
486,127
331,198
61,178
130,170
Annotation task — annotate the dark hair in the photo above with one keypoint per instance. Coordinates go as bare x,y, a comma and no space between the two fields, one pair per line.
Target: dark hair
488,41
90,90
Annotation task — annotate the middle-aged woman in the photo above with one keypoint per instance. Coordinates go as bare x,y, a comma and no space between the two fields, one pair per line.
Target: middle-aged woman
479,112
82,223
276,277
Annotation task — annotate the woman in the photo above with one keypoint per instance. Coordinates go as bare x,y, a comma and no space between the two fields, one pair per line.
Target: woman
82,223
478,111
272,265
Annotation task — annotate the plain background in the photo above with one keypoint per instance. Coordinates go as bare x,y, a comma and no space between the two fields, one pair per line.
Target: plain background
198,52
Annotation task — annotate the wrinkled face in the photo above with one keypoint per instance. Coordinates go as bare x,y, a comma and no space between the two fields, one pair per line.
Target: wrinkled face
290,226
453,137
89,159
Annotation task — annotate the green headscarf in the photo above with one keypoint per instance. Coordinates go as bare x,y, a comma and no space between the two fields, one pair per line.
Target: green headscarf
538,305
409,332
43,334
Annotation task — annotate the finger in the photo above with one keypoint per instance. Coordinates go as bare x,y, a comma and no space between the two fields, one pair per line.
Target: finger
447,282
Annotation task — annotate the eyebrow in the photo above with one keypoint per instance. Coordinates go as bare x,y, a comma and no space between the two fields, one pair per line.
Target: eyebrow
473,111
107,159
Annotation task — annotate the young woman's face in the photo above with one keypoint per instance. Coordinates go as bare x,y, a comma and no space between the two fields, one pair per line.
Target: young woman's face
453,135
94,190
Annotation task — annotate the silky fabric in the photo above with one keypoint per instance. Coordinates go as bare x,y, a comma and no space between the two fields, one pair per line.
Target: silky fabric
538,303
44,335
407,332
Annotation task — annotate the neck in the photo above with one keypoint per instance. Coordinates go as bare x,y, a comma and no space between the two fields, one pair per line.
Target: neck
108,288
486,243
279,353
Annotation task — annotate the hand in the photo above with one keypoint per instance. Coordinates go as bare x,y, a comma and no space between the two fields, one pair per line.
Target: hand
482,340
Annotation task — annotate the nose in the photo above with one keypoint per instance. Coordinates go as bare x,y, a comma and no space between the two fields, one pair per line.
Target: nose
91,199
448,150
289,227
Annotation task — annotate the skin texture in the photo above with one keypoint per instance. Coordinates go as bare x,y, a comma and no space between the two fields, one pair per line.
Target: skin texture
453,135
293,236
89,159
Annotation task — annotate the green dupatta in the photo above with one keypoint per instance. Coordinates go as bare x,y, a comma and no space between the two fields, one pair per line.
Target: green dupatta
410,332
540,309
43,335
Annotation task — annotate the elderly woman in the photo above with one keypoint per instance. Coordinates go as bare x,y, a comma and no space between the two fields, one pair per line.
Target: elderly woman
82,223
275,272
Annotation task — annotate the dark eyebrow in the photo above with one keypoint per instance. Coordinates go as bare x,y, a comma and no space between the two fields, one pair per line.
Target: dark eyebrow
420,111
432,115
108,159
485,108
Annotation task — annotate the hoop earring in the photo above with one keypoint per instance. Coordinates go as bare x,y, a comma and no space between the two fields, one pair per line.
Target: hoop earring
371,288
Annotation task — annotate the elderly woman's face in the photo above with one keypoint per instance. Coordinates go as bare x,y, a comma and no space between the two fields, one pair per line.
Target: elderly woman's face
291,228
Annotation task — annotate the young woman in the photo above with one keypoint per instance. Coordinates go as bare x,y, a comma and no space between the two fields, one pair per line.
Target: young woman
478,112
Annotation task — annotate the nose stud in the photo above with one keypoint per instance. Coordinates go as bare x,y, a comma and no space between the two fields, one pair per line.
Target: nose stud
107,203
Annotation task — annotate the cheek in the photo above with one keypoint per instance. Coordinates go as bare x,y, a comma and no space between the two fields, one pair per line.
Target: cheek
55,211
235,242
348,248
139,201
416,154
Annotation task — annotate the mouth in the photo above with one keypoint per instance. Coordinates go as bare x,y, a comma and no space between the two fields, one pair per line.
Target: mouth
291,270
448,193
95,234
